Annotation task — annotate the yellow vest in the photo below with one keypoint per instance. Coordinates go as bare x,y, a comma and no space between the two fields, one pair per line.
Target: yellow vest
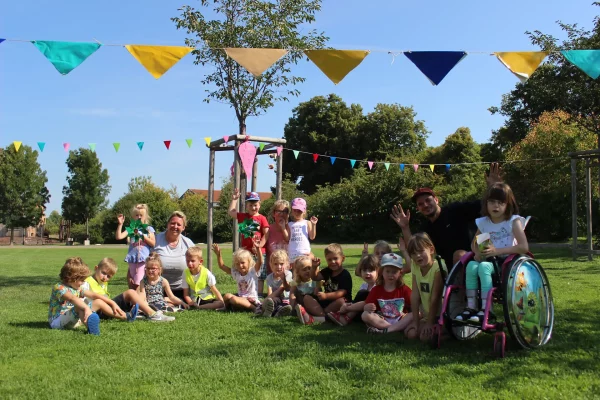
96,287
200,287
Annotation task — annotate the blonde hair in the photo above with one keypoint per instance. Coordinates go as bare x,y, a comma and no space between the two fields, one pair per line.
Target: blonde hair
154,259
194,251
298,266
368,263
399,282
178,214
280,255
74,270
385,246
419,242
279,203
333,248
143,210
109,264
242,254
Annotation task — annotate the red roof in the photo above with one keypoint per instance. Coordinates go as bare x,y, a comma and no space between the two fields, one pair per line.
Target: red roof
217,194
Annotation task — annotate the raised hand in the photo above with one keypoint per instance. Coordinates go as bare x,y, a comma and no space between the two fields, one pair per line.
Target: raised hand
365,249
314,219
120,219
495,175
400,217
236,194
216,249
316,262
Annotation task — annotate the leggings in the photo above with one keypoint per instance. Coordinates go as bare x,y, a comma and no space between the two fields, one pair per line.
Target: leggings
482,270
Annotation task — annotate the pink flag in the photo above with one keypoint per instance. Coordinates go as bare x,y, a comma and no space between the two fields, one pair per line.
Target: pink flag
415,167
226,138
370,164
66,146
279,150
247,154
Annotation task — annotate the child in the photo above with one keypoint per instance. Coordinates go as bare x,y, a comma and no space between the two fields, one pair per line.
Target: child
278,235
380,248
138,251
387,307
338,287
428,284
199,284
277,303
252,208
130,300
302,285
245,273
154,287
367,268
505,227
301,230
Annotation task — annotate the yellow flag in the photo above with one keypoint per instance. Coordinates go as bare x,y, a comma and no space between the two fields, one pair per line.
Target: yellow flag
17,145
256,61
158,59
336,64
521,63
207,140
431,166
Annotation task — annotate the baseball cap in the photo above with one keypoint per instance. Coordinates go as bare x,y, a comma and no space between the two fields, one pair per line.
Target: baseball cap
392,260
252,196
422,191
299,204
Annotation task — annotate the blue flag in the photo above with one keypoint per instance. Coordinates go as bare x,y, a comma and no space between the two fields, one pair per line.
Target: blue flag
586,60
402,167
66,56
332,159
352,162
435,65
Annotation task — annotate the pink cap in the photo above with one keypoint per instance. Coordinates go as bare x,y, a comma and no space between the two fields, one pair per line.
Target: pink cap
299,204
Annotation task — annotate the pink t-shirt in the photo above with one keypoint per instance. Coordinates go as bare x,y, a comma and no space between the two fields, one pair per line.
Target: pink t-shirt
276,241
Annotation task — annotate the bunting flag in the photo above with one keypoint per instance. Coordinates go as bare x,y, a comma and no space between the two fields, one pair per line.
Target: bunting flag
247,153
261,146
189,143
521,63
207,141
66,146
387,166
41,145
279,150
435,65
140,145
336,64
167,144
402,167
66,56
586,60
352,162
332,159
315,156
447,167
256,61
296,152
157,59
92,146
415,167
226,138
17,145
370,163
431,167
2,40
117,146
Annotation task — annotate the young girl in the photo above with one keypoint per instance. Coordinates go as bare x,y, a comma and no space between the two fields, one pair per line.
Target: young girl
278,235
154,287
277,303
428,286
245,272
388,304
138,251
380,248
505,227
301,230
302,285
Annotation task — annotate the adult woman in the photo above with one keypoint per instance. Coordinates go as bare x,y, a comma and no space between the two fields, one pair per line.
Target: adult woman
171,246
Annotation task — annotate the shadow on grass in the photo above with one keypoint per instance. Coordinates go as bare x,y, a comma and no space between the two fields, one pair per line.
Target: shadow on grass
35,280
31,325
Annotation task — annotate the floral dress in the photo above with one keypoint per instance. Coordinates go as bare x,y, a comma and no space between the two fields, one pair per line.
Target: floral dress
155,293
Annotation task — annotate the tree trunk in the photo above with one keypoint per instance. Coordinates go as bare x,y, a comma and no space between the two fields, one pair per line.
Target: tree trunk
12,236
87,229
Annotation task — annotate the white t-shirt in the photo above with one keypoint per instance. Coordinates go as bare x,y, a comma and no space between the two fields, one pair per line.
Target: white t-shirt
210,281
299,244
501,234
172,258
364,286
276,284
246,284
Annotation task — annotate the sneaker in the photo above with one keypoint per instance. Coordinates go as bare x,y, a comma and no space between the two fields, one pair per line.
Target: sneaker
284,311
466,315
160,317
372,329
168,309
93,324
132,314
478,318
268,306
304,317
339,319
258,310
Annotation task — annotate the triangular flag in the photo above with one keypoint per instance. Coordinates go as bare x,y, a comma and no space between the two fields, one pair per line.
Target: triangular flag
256,61
66,146
296,154
140,145
66,56
2,40
207,141
247,153
189,142
431,166
415,167
387,166
315,156
435,65
261,146
447,167
332,159
41,145
158,59
17,145
336,64
226,138
586,60
370,163
92,146
521,63
117,146
352,162
167,144
402,167
279,150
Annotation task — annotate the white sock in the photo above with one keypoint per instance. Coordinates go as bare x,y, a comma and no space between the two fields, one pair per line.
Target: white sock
471,298
483,303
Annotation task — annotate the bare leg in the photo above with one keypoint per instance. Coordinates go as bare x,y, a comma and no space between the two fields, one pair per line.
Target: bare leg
335,306
133,297
212,306
313,307
374,320
402,324
105,308
241,303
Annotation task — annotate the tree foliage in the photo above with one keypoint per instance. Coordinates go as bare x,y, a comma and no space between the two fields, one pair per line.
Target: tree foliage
277,24
195,208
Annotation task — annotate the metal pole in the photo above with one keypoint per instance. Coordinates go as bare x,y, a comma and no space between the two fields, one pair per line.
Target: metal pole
211,196
588,208
278,184
574,207
236,184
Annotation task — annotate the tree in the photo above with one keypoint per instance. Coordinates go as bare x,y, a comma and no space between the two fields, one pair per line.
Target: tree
53,222
87,187
195,207
23,192
277,24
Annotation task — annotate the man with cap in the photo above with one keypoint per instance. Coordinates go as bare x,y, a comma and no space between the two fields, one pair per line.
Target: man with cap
451,227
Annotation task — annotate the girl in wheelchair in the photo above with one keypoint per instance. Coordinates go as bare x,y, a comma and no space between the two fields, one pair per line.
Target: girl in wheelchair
506,236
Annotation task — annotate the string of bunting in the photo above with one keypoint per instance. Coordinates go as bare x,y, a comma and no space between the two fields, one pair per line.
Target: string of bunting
379,211
335,64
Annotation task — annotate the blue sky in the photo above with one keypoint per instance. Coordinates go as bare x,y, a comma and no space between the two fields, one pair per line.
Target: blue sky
111,98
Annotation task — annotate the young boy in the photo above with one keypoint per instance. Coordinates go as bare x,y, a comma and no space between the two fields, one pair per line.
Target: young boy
337,285
129,301
252,208
198,283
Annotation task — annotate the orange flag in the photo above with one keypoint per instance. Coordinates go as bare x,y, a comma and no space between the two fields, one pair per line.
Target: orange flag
256,61
158,59
336,64
521,63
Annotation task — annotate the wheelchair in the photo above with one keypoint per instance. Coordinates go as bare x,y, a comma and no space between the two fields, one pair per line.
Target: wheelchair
520,286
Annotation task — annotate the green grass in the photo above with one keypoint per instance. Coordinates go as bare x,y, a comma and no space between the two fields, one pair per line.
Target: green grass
234,355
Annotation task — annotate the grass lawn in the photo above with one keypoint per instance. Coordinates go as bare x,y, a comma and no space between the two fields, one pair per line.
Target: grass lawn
235,355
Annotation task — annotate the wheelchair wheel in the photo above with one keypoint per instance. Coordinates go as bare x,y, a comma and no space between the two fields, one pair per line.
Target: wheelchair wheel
528,305
456,304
